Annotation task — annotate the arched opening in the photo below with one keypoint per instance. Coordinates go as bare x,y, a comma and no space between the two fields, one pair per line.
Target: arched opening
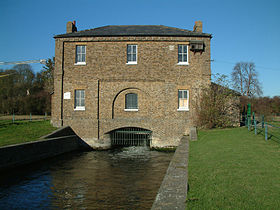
131,136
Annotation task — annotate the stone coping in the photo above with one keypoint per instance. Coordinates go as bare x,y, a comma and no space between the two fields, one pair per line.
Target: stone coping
173,190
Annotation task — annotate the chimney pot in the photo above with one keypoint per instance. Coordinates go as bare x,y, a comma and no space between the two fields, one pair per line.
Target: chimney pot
197,26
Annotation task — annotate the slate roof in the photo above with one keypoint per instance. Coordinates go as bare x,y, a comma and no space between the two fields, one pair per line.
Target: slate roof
134,30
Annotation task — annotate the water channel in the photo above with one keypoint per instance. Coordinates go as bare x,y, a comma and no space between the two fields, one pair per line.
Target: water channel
123,178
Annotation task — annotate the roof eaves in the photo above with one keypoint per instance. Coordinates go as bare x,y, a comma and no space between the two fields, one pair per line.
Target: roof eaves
138,35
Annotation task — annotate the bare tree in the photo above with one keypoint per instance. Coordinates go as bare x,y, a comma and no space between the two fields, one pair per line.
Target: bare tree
245,79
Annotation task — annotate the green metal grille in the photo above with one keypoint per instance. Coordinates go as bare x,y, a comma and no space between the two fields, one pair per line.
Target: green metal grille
131,136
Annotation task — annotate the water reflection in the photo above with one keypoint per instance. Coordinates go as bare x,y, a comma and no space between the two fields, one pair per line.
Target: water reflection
124,178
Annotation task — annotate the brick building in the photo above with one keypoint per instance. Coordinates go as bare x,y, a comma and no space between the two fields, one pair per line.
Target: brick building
143,76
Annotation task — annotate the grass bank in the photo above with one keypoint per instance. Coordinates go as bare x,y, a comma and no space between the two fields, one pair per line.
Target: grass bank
233,169
23,131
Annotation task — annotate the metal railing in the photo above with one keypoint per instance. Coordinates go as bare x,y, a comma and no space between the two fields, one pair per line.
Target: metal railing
12,119
269,129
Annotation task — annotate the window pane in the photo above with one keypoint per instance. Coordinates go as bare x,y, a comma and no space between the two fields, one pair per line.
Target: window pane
82,102
83,49
180,58
185,94
128,48
180,94
185,49
134,48
128,57
78,49
183,103
134,57
185,58
77,93
180,48
83,58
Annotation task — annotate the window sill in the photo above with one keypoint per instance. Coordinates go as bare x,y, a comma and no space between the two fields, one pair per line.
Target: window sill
183,64
131,63
80,64
131,110
183,110
80,108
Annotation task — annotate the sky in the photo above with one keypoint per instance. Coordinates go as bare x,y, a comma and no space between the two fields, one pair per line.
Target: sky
242,30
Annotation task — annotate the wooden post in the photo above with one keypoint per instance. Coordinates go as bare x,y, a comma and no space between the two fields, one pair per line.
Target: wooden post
255,124
265,125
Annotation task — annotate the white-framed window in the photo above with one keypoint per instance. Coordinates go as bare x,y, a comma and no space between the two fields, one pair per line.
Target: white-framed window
79,103
183,54
80,55
131,54
131,102
183,100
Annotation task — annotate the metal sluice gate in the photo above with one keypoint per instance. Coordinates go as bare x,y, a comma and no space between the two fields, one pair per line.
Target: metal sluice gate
131,137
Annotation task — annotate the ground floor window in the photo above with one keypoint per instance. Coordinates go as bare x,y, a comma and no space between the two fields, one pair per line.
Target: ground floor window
79,103
131,102
183,100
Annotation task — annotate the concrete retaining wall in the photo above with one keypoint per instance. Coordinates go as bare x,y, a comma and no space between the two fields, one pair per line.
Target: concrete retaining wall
59,142
173,190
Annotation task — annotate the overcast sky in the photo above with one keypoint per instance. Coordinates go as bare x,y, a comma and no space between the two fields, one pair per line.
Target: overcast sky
243,30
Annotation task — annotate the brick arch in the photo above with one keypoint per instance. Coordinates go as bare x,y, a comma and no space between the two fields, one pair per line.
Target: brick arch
125,89
134,126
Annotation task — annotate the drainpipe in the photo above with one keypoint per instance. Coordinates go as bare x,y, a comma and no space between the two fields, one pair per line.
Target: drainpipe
62,77
98,122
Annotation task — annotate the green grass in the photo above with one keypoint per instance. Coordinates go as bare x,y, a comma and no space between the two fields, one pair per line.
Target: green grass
233,169
23,131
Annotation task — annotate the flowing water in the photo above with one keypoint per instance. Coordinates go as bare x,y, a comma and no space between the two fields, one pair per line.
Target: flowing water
123,178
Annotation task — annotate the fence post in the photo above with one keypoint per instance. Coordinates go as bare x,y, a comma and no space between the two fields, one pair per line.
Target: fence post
255,124
45,116
262,121
30,117
265,124
13,118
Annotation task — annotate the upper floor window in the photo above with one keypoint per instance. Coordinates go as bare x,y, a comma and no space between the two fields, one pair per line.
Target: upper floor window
79,100
183,54
131,54
80,54
131,102
183,100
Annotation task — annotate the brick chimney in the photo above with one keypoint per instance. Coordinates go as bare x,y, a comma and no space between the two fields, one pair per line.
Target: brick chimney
197,26
71,27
